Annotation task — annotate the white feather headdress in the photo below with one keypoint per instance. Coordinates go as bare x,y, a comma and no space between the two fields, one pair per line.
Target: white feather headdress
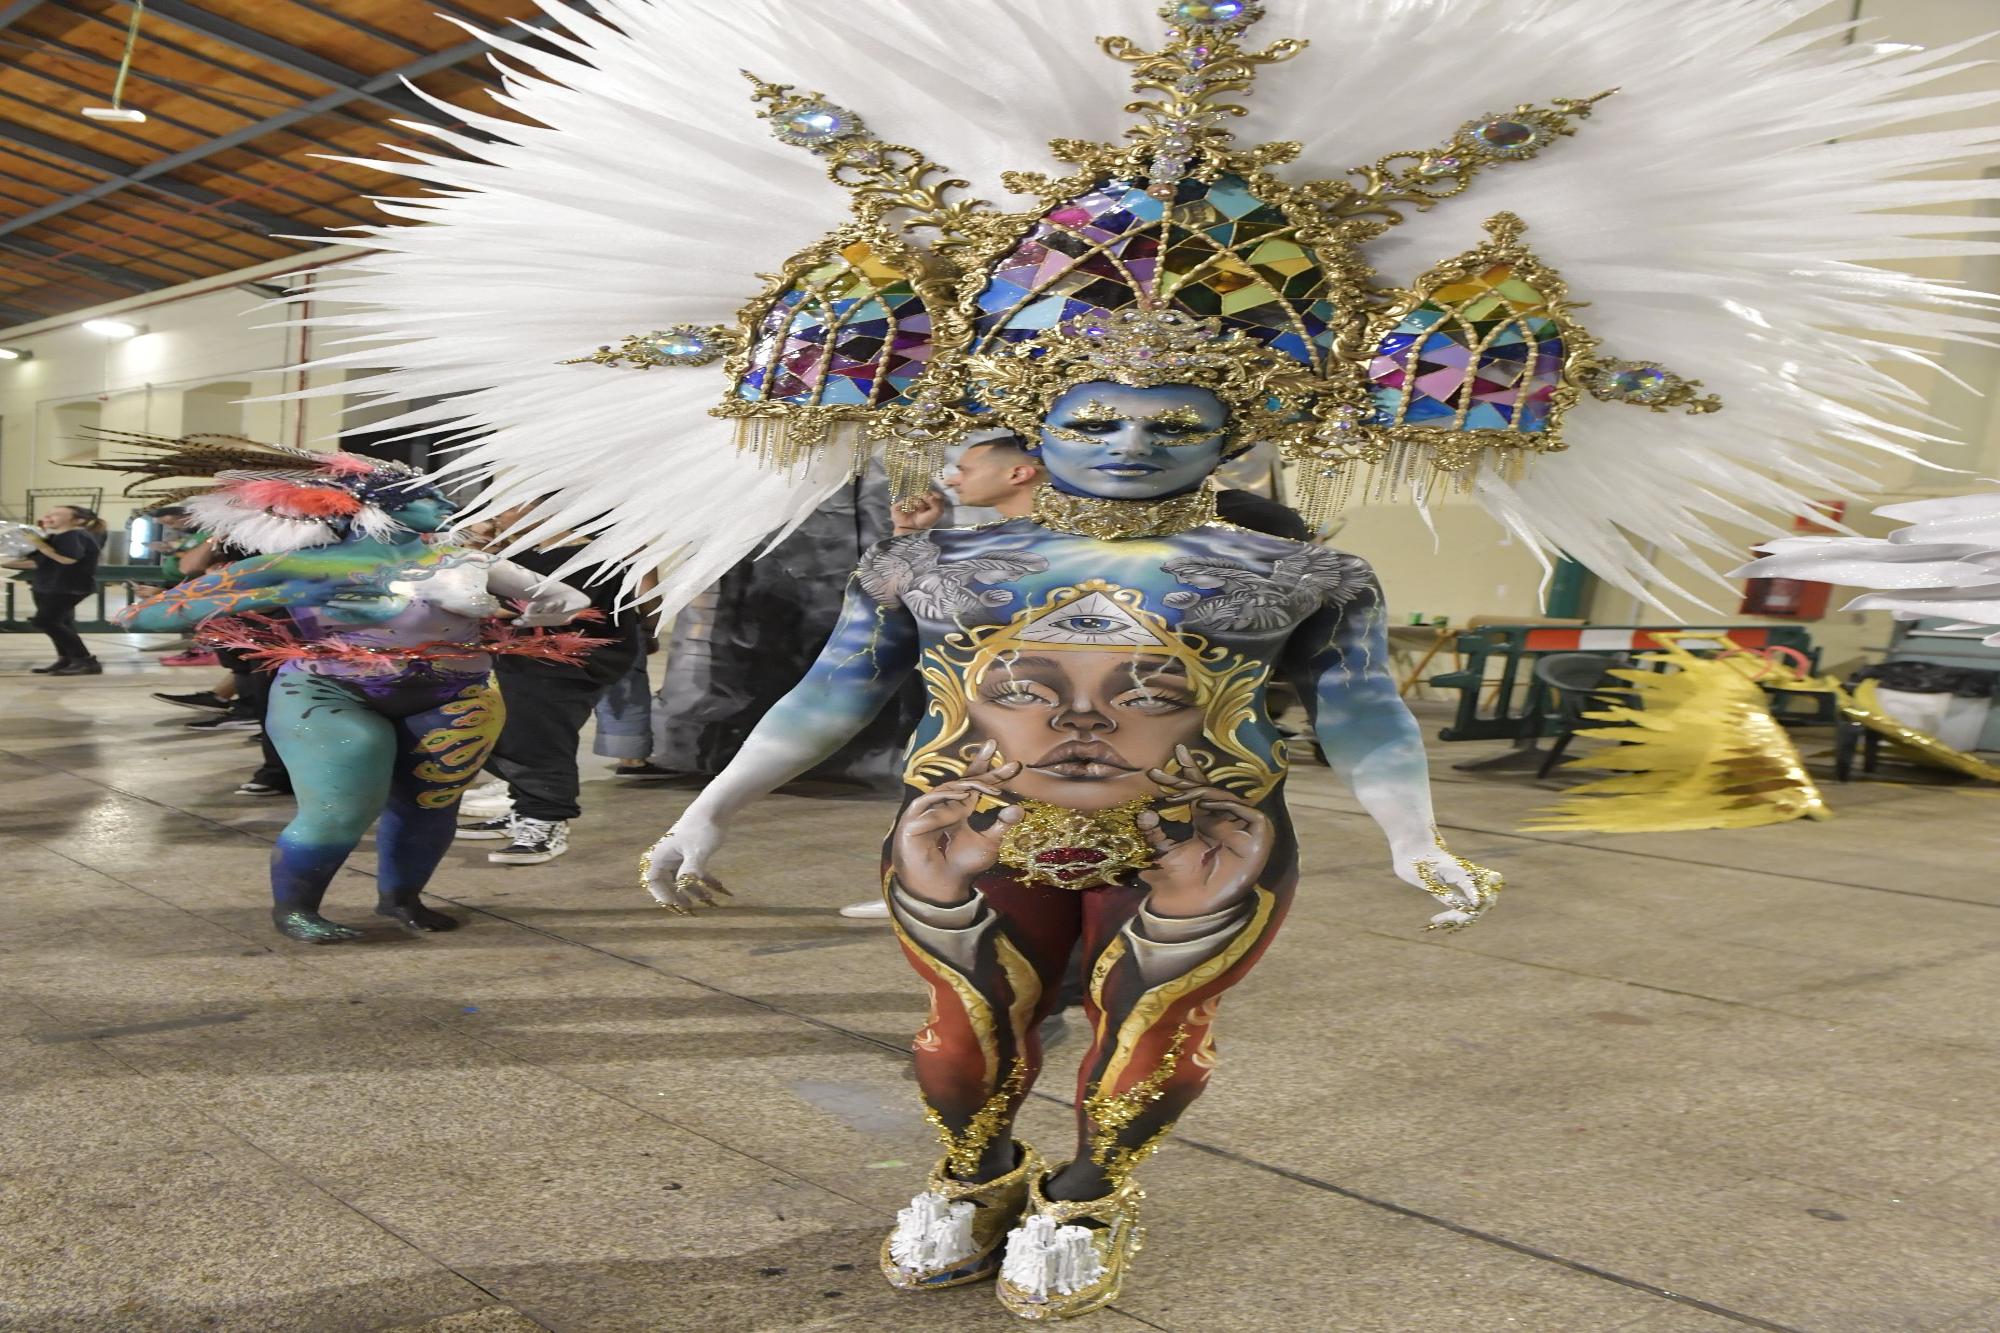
1727,213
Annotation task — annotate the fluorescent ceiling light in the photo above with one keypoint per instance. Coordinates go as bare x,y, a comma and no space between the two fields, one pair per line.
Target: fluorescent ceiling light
112,328
15,354
129,115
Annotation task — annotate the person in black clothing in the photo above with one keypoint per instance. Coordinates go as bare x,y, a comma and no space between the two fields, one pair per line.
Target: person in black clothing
547,705
63,573
1259,513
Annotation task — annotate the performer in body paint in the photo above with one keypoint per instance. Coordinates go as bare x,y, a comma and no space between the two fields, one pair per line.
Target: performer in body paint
1098,762
384,704
1096,766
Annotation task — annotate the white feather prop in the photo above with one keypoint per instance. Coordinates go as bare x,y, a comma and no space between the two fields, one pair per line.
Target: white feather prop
1726,214
254,528
1945,564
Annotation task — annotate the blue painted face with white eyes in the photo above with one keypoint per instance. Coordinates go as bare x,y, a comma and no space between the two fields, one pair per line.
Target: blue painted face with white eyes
1121,443
426,511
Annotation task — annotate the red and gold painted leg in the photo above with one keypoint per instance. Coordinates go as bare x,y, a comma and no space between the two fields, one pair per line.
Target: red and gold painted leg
977,1056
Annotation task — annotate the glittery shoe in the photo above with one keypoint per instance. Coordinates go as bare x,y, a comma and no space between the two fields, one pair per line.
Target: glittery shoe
951,1233
1055,1269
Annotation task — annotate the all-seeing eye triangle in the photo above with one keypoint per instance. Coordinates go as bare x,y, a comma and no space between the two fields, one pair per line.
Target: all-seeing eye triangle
1090,621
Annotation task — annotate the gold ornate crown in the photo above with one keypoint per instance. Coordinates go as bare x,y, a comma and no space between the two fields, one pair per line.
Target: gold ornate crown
1142,347
929,314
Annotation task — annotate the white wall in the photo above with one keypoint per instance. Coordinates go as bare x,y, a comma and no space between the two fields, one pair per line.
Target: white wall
203,352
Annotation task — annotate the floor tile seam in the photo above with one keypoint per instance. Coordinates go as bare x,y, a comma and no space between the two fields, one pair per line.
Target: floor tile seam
1682,860
1751,1005
1498,1240
562,1074
1230,1155
1904,1207
1461,828
293,1172
122,883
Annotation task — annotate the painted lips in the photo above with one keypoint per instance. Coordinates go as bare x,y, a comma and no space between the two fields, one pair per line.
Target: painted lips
1083,761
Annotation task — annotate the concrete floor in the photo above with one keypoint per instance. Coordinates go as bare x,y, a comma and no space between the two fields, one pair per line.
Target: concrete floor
1676,1084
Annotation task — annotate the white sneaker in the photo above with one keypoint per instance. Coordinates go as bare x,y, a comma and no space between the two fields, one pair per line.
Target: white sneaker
875,909
485,801
535,841
486,830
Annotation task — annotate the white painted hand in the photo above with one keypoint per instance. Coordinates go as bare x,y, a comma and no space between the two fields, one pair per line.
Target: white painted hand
675,871
1466,890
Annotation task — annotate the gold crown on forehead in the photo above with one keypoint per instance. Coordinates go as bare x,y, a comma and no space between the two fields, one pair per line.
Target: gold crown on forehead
929,313
1143,348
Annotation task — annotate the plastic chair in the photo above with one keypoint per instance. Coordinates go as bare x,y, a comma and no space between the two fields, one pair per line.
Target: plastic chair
1579,683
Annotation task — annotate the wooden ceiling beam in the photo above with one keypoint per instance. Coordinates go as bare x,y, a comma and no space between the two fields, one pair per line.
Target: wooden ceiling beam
200,133
181,89
227,240
154,39
110,273
123,177
384,89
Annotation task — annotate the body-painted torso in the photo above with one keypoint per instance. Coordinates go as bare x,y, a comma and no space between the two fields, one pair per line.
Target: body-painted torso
1089,662
384,598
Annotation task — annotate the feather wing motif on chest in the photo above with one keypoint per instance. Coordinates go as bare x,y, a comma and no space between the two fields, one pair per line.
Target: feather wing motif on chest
911,572
1238,596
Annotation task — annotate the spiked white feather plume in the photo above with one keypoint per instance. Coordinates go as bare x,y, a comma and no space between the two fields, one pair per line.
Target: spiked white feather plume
1945,564
1724,214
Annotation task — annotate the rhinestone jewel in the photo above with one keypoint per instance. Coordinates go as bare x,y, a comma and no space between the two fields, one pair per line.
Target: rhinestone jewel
1639,383
816,124
682,344
1207,13
1438,166
1502,133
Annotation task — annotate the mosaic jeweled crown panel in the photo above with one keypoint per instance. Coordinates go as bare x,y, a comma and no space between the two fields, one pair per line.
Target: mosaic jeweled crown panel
1215,250
1481,354
852,332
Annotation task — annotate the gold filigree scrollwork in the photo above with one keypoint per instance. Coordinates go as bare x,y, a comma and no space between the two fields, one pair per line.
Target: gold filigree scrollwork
1185,88
1421,177
889,181
964,1150
1109,1114
1645,384
676,345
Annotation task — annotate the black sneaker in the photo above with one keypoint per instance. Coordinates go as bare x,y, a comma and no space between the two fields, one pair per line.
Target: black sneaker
87,666
204,699
224,722
51,668
649,769
487,830
255,788
535,841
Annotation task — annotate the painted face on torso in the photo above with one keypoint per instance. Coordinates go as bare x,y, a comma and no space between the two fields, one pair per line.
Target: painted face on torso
1122,443
1086,725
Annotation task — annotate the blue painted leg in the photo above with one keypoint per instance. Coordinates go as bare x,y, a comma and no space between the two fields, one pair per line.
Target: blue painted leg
339,753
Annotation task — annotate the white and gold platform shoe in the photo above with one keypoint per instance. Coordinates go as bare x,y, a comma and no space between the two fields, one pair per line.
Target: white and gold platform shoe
1055,1269
952,1233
